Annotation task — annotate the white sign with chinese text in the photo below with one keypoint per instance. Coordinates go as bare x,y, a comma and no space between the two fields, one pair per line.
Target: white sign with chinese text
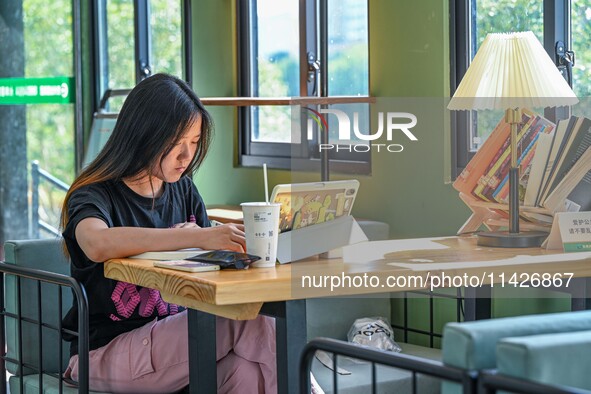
571,231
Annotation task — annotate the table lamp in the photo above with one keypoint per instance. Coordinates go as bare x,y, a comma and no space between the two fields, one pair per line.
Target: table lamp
512,71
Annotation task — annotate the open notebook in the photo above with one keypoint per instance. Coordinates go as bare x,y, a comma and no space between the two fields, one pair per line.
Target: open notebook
170,254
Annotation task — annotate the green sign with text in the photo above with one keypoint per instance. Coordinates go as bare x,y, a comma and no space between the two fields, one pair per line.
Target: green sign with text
51,90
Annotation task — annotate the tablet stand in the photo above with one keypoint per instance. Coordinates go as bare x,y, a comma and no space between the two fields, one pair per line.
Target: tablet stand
318,238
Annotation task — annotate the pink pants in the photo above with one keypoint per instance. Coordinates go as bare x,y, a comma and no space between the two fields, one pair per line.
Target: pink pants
154,358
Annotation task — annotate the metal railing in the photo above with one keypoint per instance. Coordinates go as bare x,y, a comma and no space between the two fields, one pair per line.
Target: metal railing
415,365
37,175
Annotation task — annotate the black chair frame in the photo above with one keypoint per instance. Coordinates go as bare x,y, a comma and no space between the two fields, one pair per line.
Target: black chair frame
415,365
62,281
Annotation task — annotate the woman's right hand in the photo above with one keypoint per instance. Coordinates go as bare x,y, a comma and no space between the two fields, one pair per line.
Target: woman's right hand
228,236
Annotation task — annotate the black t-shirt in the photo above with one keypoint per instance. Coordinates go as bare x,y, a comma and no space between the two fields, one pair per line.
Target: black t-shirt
117,307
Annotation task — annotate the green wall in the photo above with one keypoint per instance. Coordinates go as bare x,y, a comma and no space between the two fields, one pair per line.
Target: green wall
214,71
407,189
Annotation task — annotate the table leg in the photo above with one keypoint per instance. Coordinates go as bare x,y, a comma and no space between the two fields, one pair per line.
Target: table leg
202,356
579,290
477,303
291,336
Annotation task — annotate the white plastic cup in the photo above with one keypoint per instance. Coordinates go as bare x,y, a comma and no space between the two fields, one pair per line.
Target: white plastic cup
261,228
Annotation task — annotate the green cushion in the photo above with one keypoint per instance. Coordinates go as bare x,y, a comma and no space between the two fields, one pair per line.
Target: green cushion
389,380
562,359
31,385
47,255
472,345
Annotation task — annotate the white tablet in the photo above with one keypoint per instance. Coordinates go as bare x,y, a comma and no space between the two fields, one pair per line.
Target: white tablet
305,204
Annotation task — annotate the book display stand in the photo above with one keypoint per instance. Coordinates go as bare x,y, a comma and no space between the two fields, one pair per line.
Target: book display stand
494,216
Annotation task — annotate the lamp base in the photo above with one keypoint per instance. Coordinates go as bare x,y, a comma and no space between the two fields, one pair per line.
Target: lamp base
505,239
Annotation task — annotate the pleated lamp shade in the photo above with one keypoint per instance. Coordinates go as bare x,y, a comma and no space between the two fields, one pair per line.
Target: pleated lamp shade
512,70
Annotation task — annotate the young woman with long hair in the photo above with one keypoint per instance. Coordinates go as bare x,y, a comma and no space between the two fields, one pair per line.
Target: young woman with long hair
138,196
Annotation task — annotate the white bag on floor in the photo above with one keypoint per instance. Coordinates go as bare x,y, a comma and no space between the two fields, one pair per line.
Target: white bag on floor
373,332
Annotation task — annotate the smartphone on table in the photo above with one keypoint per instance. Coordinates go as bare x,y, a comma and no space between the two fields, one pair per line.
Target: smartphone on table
186,265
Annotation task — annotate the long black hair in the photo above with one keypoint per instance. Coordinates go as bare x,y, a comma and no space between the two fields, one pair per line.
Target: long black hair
154,117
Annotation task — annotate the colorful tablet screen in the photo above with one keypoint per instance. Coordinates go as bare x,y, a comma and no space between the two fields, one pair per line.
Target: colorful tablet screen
307,207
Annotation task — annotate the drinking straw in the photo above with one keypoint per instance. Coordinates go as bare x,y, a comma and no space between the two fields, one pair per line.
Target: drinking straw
266,183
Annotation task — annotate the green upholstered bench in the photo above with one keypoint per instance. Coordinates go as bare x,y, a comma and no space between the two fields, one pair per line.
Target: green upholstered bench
472,345
43,255
558,359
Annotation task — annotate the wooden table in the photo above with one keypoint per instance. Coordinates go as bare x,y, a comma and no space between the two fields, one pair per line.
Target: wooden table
243,294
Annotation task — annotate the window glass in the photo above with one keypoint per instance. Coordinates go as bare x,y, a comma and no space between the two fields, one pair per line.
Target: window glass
581,31
272,67
348,60
348,55
50,127
167,43
120,44
276,67
500,16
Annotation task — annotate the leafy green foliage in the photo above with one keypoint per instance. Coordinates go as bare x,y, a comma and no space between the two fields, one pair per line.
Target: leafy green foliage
50,127
48,53
503,16
581,33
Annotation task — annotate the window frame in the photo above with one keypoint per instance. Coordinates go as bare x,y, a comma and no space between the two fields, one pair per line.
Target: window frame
556,28
142,45
98,76
313,30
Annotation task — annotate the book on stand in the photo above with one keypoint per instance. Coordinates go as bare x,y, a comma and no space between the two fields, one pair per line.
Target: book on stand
576,140
572,192
557,141
525,157
490,180
469,177
539,163
579,199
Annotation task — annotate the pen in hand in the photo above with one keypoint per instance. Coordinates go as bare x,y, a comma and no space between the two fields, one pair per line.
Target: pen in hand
191,222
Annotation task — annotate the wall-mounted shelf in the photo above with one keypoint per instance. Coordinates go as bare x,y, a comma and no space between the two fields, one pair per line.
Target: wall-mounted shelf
253,101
